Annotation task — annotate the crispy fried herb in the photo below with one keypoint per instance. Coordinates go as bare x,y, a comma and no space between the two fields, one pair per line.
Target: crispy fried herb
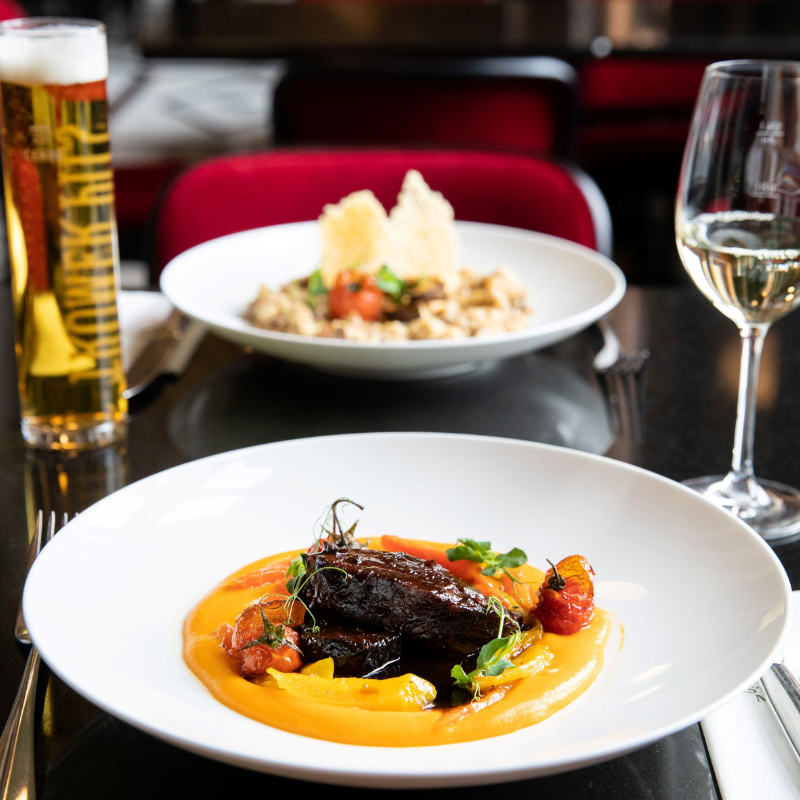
491,658
482,553
390,283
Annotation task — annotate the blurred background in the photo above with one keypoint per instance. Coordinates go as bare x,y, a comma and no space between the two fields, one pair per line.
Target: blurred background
606,86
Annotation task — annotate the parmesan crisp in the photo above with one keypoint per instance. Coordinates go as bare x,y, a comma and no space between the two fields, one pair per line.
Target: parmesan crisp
355,235
425,239
417,239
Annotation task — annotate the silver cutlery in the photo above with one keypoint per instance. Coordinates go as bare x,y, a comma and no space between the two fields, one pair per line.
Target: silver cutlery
783,690
169,351
20,629
620,375
17,773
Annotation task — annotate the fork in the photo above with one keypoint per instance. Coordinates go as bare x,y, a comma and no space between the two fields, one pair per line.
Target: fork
620,375
17,775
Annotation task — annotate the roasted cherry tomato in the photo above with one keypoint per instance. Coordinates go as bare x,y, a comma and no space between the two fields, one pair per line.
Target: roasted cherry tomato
566,598
357,293
277,646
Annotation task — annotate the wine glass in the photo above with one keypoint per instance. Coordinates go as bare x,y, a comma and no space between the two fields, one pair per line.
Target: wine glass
737,224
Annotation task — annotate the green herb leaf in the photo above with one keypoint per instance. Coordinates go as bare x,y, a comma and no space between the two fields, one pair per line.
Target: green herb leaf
295,572
490,651
469,550
460,677
491,658
316,285
459,696
390,283
513,558
482,553
497,667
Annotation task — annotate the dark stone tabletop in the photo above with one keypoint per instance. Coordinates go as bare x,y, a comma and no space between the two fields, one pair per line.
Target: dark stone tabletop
228,399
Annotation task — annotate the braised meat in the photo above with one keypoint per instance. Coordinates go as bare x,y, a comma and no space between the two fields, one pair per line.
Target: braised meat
402,594
355,652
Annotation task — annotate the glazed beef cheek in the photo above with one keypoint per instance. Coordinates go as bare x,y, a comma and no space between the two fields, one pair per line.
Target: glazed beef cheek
355,652
402,594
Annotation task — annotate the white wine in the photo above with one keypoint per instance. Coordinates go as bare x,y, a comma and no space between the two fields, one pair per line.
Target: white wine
747,263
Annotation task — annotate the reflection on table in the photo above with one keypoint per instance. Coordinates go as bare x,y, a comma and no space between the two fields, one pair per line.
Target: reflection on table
534,397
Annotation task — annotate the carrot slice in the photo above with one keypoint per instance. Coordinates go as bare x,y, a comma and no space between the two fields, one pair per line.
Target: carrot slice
525,594
467,570
454,715
259,577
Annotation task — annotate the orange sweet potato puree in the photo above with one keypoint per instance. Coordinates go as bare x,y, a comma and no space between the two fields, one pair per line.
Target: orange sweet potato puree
577,661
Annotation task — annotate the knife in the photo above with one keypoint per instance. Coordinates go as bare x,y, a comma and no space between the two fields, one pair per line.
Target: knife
170,349
783,690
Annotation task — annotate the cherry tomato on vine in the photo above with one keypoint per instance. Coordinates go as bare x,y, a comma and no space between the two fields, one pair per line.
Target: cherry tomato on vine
566,597
357,293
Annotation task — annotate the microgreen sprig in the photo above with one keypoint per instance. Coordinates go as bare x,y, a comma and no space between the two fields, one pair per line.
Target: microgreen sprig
330,526
300,576
482,553
492,658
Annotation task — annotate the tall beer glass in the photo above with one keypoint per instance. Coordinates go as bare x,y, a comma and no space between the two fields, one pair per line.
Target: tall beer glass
59,192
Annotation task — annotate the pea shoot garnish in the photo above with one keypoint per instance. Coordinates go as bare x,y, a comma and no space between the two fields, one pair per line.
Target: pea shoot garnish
331,529
300,576
492,658
482,553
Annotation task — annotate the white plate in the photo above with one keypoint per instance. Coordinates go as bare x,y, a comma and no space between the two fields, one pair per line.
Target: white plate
569,287
703,600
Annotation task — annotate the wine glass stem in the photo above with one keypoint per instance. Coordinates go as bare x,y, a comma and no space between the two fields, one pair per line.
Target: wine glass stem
752,344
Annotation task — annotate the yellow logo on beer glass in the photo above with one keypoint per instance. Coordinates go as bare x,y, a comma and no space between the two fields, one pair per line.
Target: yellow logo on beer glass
88,242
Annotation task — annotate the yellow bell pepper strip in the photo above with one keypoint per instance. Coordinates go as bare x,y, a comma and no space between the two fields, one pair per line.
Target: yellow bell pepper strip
404,693
529,662
320,669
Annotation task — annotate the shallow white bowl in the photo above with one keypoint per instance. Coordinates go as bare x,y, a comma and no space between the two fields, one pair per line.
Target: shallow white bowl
703,600
569,287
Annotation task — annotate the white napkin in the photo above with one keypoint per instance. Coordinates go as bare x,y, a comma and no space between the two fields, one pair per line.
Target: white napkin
751,754
140,313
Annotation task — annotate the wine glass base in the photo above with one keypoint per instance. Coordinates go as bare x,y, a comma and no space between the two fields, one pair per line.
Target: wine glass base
771,509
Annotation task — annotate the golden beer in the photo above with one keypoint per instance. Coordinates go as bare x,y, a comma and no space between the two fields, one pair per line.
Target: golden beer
59,193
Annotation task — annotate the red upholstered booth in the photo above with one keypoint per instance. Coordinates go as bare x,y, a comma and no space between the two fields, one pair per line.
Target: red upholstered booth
521,102
637,105
240,192
10,9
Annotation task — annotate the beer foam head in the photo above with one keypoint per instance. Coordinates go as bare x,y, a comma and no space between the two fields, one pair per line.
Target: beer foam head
60,51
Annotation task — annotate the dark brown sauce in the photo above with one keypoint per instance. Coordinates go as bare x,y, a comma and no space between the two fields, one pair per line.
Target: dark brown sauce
430,667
